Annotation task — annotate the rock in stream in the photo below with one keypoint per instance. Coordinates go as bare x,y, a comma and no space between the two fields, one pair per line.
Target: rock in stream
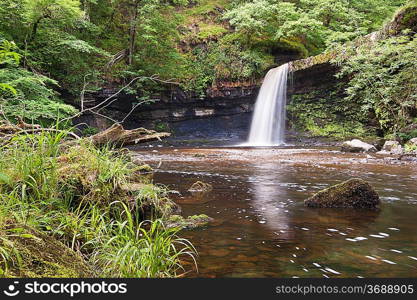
354,193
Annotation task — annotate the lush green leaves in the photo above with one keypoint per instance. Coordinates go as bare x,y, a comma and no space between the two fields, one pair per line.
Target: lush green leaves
317,22
383,78
32,96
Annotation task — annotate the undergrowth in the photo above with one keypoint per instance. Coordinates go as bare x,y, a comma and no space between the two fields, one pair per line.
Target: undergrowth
78,195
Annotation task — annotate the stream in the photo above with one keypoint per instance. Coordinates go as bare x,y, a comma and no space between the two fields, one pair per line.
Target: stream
263,229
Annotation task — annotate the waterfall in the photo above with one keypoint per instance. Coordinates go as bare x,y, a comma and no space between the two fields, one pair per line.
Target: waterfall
268,122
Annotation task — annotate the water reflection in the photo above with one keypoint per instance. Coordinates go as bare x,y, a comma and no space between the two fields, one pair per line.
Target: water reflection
264,230
270,198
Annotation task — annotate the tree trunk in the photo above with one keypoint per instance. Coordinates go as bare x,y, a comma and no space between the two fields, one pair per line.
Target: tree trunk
133,31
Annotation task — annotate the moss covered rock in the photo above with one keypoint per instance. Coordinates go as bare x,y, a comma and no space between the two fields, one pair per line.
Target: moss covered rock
192,222
354,193
39,255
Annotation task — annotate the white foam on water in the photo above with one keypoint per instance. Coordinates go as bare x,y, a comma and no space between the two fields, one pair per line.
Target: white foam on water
388,262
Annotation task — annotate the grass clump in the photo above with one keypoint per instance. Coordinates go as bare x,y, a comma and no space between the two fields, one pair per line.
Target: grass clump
130,250
65,211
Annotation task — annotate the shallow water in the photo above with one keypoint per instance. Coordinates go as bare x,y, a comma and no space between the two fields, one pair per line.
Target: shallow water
262,228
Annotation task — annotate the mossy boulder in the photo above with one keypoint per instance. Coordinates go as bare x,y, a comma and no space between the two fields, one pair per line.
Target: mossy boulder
192,222
39,255
145,169
406,18
354,193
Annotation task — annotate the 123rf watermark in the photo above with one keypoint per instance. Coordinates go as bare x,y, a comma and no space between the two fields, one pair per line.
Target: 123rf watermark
366,289
61,288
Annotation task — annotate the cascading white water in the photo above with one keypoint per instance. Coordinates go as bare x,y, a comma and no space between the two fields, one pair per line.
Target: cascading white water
268,122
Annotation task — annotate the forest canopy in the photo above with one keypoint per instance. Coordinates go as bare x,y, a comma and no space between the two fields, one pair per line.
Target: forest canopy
62,47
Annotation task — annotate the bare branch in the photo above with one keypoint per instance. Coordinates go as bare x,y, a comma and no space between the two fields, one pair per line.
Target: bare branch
111,99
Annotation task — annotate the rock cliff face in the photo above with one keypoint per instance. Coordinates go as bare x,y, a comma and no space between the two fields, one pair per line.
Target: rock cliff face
224,114
176,105
317,77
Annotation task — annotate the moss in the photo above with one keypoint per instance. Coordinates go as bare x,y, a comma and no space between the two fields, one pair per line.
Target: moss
309,62
353,193
325,113
205,7
210,31
43,256
405,18
199,217
154,202
145,168
192,222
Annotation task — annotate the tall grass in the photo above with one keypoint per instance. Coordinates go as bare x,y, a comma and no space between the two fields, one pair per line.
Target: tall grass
146,249
75,195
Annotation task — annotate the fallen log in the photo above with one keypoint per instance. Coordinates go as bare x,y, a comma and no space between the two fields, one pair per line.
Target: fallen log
23,125
7,127
116,134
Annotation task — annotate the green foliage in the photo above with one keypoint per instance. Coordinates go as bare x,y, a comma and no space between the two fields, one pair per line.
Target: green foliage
76,196
210,31
406,136
162,127
7,56
32,96
88,131
326,113
7,53
70,44
382,77
410,148
126,249
317,22
26,94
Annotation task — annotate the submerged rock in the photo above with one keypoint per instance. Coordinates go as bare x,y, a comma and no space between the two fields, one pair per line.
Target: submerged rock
192,222
200,186
357,146
354,193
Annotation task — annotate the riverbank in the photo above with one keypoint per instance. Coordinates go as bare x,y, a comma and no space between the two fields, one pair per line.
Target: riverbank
72,209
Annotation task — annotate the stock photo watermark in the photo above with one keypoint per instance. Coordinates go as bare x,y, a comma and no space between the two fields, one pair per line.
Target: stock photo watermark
69,289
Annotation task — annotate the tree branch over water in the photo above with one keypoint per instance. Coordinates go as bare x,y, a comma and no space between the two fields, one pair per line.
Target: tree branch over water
113,98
